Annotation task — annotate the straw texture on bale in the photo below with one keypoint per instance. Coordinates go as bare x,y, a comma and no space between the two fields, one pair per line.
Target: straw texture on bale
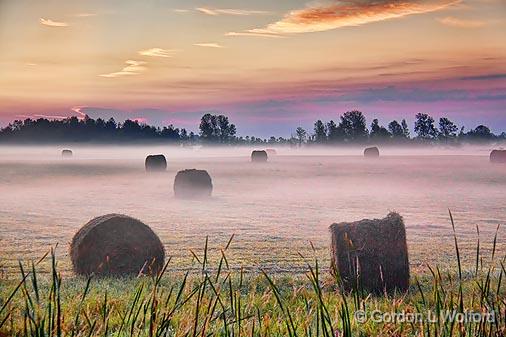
66,153
116,245
498,156
371,254
259,156
193,184
155,162
371,152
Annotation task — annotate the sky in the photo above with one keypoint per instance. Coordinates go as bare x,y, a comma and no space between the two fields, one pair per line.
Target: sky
270,66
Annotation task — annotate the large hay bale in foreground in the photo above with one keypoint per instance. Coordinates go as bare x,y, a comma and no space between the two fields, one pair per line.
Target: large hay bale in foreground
498,156
66,153
371,254
259,156
371,152
156,162
115,245
193,184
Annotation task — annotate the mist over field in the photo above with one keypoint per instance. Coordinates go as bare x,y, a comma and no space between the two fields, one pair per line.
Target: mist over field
274,209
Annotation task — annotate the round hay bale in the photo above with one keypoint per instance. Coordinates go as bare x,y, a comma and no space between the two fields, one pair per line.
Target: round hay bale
115,245
371,152
498,156
372,254
259,156
156,162
66,153
193,184
271,152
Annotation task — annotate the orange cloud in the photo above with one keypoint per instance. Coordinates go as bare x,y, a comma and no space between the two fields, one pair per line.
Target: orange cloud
461,23
132,68
158,52
51,23
228,11
336,14
208,45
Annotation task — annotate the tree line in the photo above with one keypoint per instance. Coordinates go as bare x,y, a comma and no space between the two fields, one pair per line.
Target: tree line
350,128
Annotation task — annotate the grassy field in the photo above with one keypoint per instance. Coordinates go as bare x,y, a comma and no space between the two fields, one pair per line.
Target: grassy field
219,300
273,278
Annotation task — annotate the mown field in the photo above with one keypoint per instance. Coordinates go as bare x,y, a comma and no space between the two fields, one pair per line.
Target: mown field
221,301
267,281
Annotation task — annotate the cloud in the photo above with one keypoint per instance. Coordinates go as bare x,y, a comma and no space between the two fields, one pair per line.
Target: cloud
79,112
209,45
461,23
85,15
51,23
249,33
228,11
158,52
484,77
179,10
132,68
335,14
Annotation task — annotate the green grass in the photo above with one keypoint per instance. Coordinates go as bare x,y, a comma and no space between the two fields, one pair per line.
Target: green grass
222,301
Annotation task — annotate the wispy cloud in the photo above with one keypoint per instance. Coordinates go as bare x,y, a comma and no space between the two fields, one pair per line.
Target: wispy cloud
209,45
180,10
256,34
132,68
486,77
461,23
51,23
79,112
85,15
158,52
228,11
337,13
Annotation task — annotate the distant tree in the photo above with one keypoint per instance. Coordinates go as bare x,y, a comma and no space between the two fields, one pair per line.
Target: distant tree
208,128
447,129
462,133
226,131
396,130
301,135
335,133
405,129
353,124
216,129
378,132
320,133
183,134
481,133
171,133
110,125
424,127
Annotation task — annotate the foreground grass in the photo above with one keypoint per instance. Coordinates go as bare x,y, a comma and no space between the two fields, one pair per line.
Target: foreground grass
220,301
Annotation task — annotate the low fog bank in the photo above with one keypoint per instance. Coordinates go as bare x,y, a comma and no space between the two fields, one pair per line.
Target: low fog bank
274,208
129,152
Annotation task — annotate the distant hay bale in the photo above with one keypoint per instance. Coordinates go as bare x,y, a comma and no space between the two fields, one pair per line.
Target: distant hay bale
115,245
259,156
371,254
193,184
271,152
66,153
156,162
371,152
498,156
